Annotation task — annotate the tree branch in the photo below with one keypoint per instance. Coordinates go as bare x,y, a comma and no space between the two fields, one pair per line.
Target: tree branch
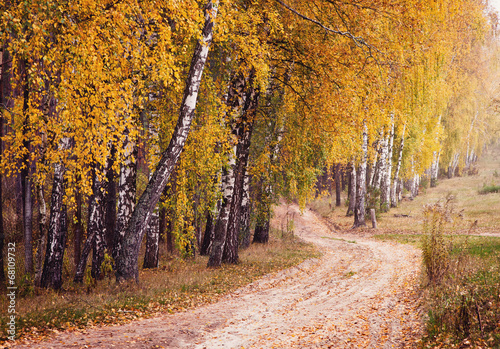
359,41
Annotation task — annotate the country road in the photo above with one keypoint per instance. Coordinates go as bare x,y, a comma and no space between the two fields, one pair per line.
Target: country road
360,294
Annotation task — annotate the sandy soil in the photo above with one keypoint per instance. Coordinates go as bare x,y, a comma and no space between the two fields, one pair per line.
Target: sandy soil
360,293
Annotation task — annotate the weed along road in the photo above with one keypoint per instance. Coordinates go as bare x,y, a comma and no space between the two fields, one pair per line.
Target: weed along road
361,293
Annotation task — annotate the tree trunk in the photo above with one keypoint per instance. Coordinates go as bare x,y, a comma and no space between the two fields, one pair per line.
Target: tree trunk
435,168
127,258
380,168
56,237
261,233
244,131
352,190
110,200
152,243
77,243
82,264
25,179
338,185
394,191
42,236
96,224
209,234
245,214
96,233
6,101
359,211
385,193
220,229
344,178
126,193
372,170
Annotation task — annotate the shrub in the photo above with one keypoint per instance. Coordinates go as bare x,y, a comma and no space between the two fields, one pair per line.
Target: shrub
435,246
463,278
488,189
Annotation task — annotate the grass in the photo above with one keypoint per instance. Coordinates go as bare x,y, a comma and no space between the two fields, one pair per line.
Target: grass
178,284
337,239
464,308
411,239
488,189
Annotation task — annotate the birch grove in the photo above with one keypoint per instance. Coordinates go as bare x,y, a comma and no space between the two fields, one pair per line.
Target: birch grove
250,103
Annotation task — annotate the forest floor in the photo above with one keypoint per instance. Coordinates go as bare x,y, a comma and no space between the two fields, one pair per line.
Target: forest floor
360,293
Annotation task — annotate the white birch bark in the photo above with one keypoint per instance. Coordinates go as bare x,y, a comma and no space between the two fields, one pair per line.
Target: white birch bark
353,190
394,192
385,193
359,212
56,236
220,229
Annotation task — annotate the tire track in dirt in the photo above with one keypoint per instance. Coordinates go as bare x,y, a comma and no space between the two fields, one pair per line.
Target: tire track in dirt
360,294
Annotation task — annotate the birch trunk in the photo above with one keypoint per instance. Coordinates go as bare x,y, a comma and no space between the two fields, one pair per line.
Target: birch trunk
372,171
352,190
56,237
380,168
208,237
42,237
359,211
127,188
338,184
220,228
96,224
385,193
152,242
467,155
110,201
77,247
25,179
394,191
245,214
245,127
435,168
127,258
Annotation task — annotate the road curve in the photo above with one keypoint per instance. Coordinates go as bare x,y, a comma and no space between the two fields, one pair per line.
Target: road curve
360,294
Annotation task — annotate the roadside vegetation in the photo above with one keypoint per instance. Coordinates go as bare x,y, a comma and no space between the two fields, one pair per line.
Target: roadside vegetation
457,227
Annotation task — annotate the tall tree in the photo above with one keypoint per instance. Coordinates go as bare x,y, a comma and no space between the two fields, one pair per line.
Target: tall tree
359,211
127,258
57,234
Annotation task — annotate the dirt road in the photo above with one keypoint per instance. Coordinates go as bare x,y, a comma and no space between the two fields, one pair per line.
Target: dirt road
360,293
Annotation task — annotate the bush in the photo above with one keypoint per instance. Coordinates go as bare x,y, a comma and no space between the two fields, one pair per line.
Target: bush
435,246
488,189
463,278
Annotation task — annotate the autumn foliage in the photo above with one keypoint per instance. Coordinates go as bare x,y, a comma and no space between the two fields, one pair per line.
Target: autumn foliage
94,97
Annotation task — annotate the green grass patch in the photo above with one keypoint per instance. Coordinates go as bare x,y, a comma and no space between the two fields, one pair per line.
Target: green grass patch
477,246
339,239
488,189
411,239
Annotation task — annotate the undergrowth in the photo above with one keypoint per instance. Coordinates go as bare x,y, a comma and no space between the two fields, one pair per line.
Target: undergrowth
462,280
488,189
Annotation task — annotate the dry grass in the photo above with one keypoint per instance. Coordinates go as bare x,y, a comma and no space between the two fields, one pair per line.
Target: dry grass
176,285
465,190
